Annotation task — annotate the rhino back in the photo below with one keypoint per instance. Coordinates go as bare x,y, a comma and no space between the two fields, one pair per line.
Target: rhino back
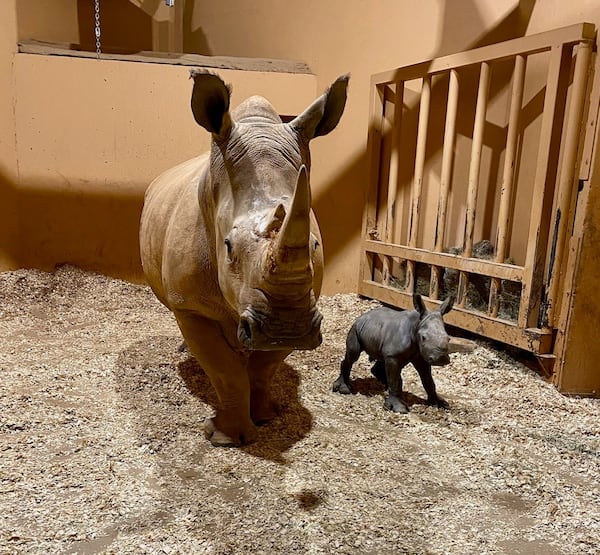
384,332
177,238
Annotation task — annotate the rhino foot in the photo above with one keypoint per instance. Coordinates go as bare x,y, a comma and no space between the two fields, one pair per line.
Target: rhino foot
395,405
221,439
340,386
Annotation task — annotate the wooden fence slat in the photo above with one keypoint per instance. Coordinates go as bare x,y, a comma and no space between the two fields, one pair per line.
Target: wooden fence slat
567,180
445,178
508,175
392,193
413,224
474,171
373,150
544,183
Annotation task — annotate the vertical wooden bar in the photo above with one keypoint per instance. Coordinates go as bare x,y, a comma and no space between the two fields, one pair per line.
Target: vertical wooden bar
544,184
390,224
506,192
445,178
413,224
567,179
374,152
474,170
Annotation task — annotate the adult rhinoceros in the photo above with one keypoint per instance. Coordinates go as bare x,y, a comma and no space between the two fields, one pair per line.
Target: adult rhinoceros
230,245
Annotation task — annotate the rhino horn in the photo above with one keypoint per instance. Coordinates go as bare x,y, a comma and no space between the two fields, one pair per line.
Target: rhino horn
291,251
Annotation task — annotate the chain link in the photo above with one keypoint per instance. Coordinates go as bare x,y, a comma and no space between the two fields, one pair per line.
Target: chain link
97,27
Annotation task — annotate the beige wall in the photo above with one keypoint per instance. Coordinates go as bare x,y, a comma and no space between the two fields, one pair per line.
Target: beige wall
8,155
93,134
334,37
363,37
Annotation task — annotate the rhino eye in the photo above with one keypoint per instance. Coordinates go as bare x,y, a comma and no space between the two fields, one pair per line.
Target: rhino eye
228,247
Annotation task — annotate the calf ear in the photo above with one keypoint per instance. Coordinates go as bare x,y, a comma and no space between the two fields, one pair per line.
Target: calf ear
325,112
210,102
447,305
419,304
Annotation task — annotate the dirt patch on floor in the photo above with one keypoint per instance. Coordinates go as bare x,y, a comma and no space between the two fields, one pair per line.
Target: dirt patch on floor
102,449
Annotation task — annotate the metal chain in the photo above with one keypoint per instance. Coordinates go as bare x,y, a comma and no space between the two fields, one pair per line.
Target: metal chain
97,27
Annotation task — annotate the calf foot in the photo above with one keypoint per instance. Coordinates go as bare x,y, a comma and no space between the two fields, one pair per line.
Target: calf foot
395,404
439,402
340,386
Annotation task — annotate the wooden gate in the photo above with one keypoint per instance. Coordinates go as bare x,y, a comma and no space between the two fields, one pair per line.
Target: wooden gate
459,204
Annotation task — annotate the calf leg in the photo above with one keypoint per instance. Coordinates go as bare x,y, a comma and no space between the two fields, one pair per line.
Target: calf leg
353,350
227,372
261,367
393,372
424,370
378,370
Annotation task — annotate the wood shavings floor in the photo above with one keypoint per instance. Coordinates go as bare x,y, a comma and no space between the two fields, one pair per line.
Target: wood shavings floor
102,449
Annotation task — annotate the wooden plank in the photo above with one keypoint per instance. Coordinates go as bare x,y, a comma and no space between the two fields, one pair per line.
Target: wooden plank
417,186
373,152
534,340
544,183
445,177
473,265
527,45
567,180
508,175
196,60
474,173
392,189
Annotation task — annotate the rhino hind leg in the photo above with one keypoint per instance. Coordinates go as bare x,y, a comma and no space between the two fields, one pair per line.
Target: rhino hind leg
232,424
393,373
378,370
353,350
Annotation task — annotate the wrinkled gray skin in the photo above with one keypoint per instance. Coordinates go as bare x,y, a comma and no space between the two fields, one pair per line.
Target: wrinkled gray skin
394,338
230,245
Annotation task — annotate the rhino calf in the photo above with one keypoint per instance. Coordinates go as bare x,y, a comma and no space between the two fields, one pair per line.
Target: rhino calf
394,338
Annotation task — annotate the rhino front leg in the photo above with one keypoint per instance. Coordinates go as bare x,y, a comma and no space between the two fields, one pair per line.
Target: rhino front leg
227,372
424,370
261,367
393,373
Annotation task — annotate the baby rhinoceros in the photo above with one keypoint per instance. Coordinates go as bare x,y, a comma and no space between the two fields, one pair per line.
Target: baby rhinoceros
394,338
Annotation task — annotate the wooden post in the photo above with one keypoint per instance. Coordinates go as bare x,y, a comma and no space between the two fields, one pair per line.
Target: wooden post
506,192
392,189
445,178
373,150
413,223
544,184
567,179
474,170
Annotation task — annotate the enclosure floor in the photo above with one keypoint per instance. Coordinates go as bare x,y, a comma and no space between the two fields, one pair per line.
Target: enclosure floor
102,449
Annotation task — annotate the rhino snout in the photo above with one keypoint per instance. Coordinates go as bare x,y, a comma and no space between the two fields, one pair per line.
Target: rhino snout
288,331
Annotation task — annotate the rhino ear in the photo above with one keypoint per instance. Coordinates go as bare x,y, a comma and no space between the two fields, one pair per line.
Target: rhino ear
210,102
419,304
325,112
447,305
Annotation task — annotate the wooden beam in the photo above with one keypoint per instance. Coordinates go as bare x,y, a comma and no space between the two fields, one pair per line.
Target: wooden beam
474,265
527,45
